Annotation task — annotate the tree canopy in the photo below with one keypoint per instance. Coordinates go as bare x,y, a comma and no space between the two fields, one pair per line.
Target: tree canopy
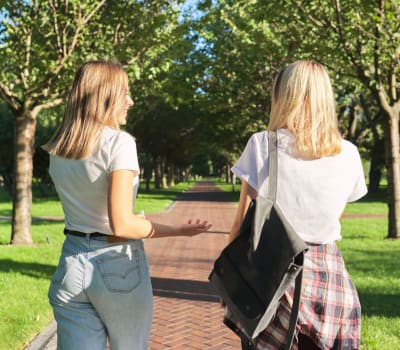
201,79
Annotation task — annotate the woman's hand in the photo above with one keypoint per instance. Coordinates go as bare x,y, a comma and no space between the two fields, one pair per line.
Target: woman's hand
192,229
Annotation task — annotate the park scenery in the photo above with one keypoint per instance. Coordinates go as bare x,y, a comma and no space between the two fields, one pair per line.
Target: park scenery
200,75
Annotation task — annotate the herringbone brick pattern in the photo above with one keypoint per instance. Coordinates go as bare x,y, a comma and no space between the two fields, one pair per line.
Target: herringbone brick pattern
187,313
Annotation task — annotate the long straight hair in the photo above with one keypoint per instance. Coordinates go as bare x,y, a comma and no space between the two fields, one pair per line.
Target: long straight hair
98,89
303,102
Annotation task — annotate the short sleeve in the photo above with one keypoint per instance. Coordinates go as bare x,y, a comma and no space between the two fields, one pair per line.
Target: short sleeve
360,187
123,155
246,168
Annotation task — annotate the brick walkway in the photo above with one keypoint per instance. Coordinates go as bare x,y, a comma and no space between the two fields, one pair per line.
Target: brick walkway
187,314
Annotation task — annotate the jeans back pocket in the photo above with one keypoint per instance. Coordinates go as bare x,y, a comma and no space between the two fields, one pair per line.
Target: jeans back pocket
121,272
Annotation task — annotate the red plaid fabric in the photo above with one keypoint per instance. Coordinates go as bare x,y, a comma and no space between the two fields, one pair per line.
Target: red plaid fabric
330,311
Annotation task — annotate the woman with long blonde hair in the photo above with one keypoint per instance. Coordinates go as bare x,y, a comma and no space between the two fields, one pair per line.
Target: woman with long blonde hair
101,288
318,173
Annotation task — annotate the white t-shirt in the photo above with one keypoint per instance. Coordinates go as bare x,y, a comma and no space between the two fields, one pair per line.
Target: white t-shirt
311,193
82,185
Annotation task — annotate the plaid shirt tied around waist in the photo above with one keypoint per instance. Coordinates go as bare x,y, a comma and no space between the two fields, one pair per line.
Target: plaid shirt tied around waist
330,311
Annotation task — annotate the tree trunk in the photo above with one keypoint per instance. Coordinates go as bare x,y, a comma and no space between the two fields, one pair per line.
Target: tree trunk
25,126
378,148
147,172
375,169
164,182
171,175
393,172
148,178
157,173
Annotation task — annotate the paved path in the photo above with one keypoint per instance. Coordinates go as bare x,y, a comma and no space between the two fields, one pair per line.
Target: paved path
186,311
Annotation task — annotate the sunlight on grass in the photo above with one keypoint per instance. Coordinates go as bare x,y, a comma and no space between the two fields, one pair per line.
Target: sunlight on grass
372,261
25,274
156,201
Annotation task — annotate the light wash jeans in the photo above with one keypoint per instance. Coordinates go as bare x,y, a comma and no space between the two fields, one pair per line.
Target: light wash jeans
102,290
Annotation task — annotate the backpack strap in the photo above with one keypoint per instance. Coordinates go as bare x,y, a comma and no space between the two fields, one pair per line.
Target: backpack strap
295,306
273,164
272,188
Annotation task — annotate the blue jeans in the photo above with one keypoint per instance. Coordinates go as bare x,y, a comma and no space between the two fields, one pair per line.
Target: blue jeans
101,290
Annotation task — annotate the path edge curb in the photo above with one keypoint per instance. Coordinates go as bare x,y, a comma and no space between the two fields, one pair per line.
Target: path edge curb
43,338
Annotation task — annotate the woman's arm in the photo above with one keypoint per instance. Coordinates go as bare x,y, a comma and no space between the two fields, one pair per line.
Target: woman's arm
126,224
247,194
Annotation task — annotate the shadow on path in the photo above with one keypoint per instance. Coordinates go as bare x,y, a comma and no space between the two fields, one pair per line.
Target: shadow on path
183,289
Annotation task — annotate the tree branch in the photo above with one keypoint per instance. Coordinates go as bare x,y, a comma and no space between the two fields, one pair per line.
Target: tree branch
12,100
25,68
322,22
53,103
55,24
81,22
346,46
67,50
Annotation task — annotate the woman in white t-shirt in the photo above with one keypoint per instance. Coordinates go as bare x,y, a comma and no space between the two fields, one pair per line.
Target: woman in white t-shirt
318,173
101,288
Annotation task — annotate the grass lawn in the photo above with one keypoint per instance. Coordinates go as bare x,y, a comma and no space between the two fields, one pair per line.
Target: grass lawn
25,272
373,262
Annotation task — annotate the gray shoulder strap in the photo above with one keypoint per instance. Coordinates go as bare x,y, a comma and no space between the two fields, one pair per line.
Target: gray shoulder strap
273,164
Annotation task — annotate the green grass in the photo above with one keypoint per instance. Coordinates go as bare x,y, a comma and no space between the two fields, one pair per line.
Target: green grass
373,263
25,272
153,201
41,206
234,191
372,203
156,201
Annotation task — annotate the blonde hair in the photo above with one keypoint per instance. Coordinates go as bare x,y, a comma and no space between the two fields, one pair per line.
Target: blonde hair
99,87
303,102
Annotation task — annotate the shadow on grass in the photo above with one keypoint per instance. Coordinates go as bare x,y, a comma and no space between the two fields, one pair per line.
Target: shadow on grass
379,304
382,261
379,264
379,196
210,196
156,197
47,220
40,220
34,270
6,212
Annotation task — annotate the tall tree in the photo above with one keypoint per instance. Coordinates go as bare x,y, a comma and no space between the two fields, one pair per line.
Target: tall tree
362,40
239,70
358,40
42,44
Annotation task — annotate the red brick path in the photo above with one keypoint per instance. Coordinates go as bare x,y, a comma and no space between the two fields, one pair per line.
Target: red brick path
186,311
